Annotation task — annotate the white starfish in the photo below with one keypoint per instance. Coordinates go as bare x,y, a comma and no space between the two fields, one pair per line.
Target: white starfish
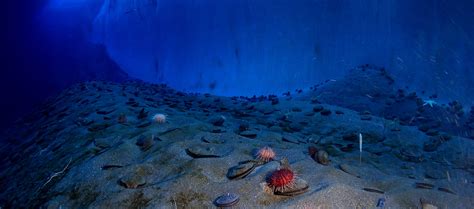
429,102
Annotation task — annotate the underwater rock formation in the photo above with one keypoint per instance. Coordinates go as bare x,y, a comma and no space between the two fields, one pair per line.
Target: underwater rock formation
372,90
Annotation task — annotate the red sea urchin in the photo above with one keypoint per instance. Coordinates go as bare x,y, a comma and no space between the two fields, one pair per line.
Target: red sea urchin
281,180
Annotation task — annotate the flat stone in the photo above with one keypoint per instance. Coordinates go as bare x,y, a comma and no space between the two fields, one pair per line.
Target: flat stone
249,134
411,154
241,170
208,151
299,186
98,127
105,112
421,185
290,139
213,139
349,170
373,190
106,142
227,200
446,190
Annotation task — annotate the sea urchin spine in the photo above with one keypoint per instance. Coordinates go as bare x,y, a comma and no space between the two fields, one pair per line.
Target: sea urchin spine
265,154
281,180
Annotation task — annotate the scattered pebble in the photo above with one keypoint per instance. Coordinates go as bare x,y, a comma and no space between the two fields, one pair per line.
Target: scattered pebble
421,185
227,200
208,151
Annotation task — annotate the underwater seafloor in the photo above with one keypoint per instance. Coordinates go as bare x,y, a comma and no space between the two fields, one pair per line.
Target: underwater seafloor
100,145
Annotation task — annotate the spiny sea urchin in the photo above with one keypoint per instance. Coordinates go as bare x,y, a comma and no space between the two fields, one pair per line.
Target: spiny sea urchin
265,154
159,118
282,179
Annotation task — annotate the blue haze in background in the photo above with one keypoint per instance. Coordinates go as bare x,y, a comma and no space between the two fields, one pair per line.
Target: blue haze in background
240,47
261,47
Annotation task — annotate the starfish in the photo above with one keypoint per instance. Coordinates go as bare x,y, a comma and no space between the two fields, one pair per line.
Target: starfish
429,102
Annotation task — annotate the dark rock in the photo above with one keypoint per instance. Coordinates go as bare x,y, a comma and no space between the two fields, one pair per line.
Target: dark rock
421,185
424,127
325,112
218,130
432,144
217,120
323,157
105,112
295,127
348,148
99,127
296,109
366,117
395,129
142,114
244,126
249,134
318,108
275,101
352,137
208,151
432,132
111,166
315,101
446,190
106,142
411,154
373,190
84,122
312,151
122,119
145,142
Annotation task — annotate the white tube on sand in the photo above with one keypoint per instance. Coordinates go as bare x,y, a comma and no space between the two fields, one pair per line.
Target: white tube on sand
360,147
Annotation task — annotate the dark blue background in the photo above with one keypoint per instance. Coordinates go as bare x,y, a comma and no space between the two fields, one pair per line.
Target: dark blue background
230,47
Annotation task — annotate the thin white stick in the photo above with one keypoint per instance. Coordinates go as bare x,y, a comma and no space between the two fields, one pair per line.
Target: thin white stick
56,174
360,148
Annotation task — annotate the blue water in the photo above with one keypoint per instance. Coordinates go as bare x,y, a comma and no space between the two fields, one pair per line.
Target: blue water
421,53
